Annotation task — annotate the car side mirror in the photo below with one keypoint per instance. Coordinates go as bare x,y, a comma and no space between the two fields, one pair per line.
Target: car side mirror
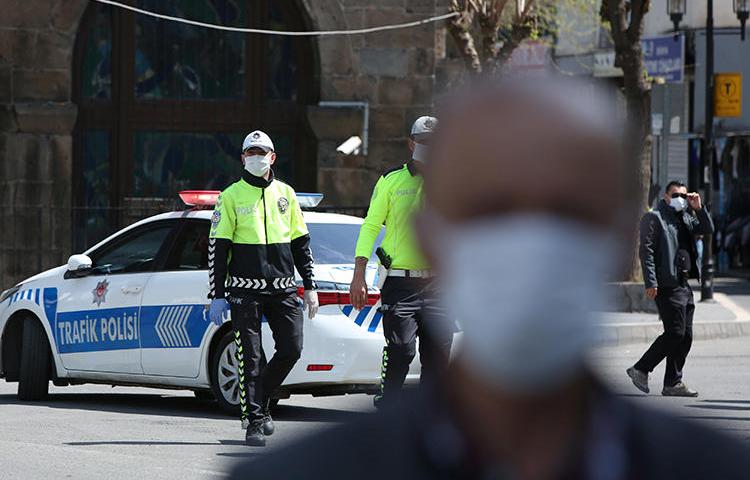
78,266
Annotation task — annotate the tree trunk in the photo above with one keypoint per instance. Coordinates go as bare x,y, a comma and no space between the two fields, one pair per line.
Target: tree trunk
639,139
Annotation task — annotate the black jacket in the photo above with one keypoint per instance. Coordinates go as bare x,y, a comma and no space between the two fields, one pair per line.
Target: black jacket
660,244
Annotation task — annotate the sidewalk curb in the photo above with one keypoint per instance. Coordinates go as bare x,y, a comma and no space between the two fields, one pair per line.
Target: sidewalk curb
628,333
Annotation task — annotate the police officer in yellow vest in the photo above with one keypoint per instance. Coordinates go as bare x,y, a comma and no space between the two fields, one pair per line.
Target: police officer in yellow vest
257,238
408,304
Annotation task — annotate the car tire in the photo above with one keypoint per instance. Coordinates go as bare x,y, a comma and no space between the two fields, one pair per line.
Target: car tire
34,375
219,366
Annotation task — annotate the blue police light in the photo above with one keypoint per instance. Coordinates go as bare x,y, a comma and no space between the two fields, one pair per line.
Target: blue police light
309,200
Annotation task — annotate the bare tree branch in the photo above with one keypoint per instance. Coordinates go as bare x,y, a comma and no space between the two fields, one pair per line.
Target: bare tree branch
460,29
519,32
489,16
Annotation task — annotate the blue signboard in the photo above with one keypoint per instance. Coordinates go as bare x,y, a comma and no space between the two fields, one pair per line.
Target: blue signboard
664,57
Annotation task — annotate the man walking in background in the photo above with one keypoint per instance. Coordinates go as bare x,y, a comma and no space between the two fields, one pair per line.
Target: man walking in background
669,258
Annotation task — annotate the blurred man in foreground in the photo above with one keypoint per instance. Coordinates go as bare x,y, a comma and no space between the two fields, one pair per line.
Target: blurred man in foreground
538,206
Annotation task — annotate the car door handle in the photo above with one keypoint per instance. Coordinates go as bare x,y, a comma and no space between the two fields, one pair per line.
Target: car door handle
134,289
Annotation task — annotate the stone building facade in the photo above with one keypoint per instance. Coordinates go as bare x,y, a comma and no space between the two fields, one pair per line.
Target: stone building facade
41,116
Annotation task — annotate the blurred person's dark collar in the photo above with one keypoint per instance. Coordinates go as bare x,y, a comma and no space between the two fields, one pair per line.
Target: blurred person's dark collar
450,451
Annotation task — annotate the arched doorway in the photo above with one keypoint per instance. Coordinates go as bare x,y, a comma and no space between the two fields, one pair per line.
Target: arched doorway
164,106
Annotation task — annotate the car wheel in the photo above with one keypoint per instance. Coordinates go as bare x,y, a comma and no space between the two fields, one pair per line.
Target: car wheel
34,375
224,379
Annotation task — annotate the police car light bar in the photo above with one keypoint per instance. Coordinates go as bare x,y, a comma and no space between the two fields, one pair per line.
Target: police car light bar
199,198
309,200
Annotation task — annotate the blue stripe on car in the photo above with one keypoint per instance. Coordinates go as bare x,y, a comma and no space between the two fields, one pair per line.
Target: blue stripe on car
374,323
362,315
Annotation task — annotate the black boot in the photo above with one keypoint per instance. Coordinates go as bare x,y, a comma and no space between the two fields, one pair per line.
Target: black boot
268,426
255,436
378,401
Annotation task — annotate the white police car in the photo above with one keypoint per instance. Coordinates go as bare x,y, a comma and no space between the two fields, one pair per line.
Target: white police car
132,311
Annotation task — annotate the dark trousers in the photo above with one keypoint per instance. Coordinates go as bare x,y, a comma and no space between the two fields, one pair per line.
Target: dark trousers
676,308
258,382
409,311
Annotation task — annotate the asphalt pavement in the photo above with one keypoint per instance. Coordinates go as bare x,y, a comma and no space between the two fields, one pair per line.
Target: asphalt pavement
93,432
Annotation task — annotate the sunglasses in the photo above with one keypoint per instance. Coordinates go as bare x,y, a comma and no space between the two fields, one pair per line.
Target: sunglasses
683,195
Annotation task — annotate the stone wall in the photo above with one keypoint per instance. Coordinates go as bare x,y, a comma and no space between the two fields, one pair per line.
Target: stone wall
394,71
36,121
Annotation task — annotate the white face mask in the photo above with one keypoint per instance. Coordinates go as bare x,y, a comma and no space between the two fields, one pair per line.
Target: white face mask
678,203
525,289
258,165
420,152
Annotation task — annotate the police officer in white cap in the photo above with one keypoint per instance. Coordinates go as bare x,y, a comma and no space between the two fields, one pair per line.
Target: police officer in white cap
257,238
405,276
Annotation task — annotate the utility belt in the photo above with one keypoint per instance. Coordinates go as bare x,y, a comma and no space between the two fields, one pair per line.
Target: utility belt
384,273
385,270
261,284
411,273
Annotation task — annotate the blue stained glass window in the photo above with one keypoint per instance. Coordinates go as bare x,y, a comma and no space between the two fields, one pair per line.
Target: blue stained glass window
281,83
96,75
92,219
283,168
174,60
167,162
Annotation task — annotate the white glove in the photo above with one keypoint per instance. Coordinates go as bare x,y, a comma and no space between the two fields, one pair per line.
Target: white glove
311,303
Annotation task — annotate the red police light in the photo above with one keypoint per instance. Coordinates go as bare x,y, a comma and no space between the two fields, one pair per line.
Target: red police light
199,198
319,368
326,297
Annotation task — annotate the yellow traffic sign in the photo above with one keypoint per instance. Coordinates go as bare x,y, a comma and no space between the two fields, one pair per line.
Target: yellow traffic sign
728,94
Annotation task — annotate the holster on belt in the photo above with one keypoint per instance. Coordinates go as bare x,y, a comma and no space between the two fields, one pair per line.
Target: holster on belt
385,265
382,275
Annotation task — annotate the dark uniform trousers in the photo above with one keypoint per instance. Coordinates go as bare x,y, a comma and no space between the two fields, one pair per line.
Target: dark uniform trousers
676,308
258,382
410,310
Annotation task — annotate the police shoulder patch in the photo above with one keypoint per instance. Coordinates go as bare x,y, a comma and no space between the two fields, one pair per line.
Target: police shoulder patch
216,217
283,204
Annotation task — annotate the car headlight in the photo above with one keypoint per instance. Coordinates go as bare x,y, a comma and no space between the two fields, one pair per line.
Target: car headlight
7,293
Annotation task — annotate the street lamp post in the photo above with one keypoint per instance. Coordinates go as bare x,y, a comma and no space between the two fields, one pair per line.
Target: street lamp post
676,10
707,270
742,10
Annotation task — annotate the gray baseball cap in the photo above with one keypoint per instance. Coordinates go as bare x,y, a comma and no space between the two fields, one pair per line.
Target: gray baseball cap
424,125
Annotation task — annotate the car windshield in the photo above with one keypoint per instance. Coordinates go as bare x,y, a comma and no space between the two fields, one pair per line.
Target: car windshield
334,243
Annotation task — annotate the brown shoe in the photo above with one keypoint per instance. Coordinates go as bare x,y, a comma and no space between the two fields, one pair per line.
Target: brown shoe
679,390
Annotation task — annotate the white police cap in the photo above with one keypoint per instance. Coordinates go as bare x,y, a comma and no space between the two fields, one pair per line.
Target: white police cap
258,139
423,126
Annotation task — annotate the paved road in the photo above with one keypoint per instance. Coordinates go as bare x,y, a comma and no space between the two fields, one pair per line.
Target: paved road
95,432
100,432
718,369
